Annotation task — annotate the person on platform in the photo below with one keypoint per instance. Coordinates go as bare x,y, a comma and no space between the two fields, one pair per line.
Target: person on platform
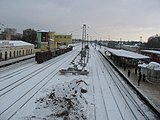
139,79
144,77
129,72
136,70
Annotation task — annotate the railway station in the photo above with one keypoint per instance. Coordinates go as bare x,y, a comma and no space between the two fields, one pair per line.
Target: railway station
125,58
53,68
102,93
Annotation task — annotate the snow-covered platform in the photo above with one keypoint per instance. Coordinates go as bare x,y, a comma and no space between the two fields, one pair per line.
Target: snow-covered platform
15,60
149,89
39,91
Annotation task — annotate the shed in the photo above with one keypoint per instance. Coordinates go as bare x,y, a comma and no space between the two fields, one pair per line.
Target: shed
152,71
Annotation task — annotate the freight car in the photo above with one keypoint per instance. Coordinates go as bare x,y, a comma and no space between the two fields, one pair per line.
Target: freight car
42,56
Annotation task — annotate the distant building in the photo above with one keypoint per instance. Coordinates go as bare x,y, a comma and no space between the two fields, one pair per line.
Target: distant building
8,33
133,48
63,40
13,49
112,44
153,54
50,40
42,36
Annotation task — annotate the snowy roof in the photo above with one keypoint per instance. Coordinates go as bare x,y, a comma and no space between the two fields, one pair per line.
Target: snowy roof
127,54
153,65
42,31
14,43
131,46
144,65
151,51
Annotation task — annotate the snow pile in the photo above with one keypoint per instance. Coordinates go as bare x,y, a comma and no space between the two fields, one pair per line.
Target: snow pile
65,102
78,64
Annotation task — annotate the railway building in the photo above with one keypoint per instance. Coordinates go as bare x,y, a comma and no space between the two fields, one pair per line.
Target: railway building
153,54
47,40
12,49
126,58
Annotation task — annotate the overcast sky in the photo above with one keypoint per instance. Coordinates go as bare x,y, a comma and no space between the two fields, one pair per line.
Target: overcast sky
126,19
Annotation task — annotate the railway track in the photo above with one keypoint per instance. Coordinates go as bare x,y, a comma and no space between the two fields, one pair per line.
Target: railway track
22,99
127,96
111,86
10,77
16,65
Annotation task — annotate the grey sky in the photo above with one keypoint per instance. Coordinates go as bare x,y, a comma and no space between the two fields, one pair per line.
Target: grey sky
126,19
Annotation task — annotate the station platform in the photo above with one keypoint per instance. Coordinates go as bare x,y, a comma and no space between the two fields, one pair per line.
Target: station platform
150,90
15,60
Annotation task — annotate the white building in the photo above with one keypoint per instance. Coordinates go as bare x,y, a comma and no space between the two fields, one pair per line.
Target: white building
152,71
13,49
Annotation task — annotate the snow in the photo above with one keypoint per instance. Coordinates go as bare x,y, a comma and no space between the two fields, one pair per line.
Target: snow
15,43
143,65
42,31
152,51
153,66
41,92
127,54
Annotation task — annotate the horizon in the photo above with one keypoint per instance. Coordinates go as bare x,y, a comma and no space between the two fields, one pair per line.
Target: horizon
108,19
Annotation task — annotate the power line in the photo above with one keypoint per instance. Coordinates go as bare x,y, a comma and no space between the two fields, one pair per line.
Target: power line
75,30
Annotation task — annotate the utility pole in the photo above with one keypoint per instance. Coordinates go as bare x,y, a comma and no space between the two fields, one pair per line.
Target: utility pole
83,35
87,39
120,43
83,52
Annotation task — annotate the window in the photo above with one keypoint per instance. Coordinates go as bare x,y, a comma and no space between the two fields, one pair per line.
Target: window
17,53
0,55
14,53
10,55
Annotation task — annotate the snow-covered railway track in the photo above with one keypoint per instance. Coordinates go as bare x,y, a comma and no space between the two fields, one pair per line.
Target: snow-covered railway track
18,97
16,65
127,96
10,81
113,98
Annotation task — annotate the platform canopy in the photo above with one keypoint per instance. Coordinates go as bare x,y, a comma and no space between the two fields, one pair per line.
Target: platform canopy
126,54
152,51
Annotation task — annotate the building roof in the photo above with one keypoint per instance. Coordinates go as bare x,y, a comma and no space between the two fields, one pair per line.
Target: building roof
42,31
151,66
152,51
13,43
127,54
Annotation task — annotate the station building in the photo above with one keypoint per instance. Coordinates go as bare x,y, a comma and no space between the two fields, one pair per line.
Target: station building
13,49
